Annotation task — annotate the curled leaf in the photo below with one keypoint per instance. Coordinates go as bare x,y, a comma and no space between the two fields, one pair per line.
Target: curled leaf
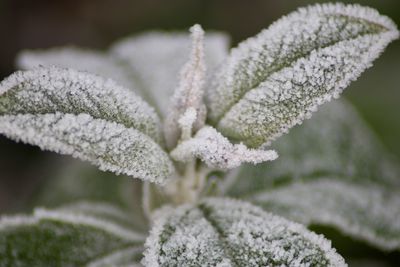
223,232
216,150
275,80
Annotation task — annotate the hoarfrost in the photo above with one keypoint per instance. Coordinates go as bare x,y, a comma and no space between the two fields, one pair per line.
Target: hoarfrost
224,232
216,150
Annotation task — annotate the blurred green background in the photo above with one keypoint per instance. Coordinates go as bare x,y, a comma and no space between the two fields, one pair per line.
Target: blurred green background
97,23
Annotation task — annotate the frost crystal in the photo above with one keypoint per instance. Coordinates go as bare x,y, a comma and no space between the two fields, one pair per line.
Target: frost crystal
223,232
275,80
216,151
189,94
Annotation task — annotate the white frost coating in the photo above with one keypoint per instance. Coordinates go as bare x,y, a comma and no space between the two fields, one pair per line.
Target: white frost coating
79,59
156,58
79,219
194,241
363,211
275,80
289,96
108,145
189,93
216,151
233,233
53,89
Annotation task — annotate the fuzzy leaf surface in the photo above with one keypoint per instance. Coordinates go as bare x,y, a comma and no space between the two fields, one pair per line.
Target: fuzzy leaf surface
224,232
332,171
156,58
67,237
86,116
275,80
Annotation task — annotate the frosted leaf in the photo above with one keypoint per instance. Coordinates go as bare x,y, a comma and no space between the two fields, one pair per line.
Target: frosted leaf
216,151
83,115
188,96
364,211
61,238
53,89
156,58
80,59
362,191
108,145
275,80
223,232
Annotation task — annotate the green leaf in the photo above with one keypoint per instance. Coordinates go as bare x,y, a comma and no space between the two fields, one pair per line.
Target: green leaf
156,58
332,171
223,232
275,80
86,116
68,237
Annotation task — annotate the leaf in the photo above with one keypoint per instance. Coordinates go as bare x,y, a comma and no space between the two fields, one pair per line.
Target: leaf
156,58
332,171
275,80
76,181
80,59
223,232
216,151
188,96
83,115
64,238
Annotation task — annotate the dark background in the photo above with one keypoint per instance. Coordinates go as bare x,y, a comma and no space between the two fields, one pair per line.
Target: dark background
97,23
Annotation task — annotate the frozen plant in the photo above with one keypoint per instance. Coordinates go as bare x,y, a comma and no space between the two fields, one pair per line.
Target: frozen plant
212,142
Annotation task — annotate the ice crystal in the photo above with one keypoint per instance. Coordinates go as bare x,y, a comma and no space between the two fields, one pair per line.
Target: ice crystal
189,94
223,232
216,151
275,80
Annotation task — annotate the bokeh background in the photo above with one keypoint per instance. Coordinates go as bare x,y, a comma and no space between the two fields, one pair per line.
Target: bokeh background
30,24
